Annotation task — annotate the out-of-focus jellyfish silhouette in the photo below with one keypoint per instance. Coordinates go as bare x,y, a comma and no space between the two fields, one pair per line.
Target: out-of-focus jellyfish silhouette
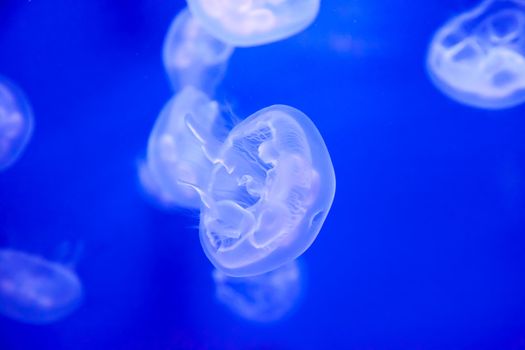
269,193
176,156
192,57
264,298
35,290
478,58
254,22
16,123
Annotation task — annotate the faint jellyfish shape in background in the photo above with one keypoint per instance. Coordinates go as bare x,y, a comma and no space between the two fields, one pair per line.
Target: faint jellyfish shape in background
269,193
16,123
254,22
192,57
177,159
35,290
478,58
264,298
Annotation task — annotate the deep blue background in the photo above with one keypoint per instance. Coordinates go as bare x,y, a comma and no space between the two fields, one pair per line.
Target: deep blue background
424,247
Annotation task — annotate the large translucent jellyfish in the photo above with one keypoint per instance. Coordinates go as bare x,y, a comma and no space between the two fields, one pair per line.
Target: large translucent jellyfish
478,58
192,57
254,22
34,290
16,123
264,298
269,193
176,156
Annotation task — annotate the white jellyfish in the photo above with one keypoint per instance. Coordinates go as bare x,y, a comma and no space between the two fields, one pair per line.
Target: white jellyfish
254,22
269,193
192,57
264,298
176,158
478,58
35,290
16,123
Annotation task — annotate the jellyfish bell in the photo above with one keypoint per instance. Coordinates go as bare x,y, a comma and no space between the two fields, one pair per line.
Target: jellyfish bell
254,22
16,123
269,193
34,290
264,298
478,58
179,146
193,57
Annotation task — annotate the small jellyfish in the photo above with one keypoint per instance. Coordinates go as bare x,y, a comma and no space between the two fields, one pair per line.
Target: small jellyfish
254,22
478,58
264,298
16,123
176,157
269,193
192,57
34,290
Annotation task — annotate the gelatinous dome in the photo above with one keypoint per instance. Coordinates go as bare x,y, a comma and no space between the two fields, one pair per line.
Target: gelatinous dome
34,290
175,151
16,123
254,22
193,57
269,193
478,58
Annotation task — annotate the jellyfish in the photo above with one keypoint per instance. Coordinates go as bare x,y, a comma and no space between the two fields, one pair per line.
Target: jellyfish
34,290
254,22
16,123
478,58
192,57
270,190
264,298
176,157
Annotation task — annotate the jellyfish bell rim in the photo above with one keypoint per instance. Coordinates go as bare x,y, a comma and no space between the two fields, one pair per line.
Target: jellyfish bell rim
468,98
22,102
215,28
281,254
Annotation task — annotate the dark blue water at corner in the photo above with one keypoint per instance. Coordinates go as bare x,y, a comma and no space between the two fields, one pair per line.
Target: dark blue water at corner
424,247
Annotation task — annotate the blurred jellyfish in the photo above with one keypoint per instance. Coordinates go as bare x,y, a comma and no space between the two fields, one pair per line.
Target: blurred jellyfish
34,290
478,58
192,57
254,22
269,193
176,156
16,123
263,298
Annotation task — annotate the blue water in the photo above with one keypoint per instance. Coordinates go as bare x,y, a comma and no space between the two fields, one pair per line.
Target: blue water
423,247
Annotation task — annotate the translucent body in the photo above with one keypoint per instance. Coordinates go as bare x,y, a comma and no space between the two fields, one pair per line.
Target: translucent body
269,193
254,22
192,56
16,123
176,155
34,290
478,58
263,298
